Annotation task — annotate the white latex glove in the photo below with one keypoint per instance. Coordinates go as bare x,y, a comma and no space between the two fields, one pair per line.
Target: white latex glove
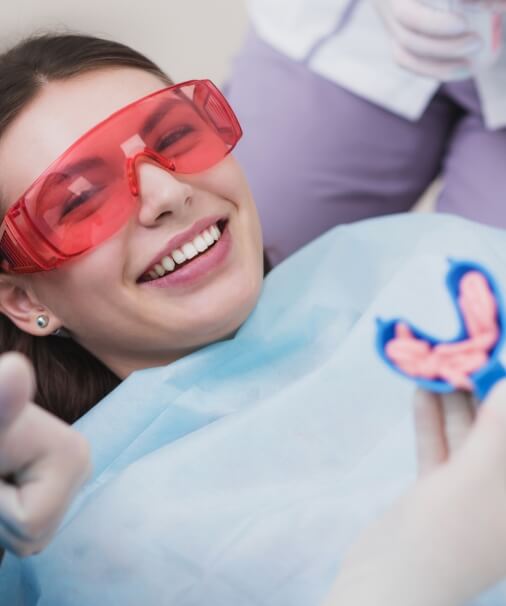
42,462
444,541
429,41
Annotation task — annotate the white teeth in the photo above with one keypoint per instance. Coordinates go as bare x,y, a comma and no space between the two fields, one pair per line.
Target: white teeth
178,256
189,251
207,237
200,244
168,263
159,270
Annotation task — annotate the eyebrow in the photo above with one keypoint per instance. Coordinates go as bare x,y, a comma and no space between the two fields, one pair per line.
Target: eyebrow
148,125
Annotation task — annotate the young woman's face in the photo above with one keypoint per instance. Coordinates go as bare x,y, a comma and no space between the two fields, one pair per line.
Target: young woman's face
100,297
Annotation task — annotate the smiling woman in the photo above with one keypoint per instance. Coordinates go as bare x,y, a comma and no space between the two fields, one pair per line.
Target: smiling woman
195,239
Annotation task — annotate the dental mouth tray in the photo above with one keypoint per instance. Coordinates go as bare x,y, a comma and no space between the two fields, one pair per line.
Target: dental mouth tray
470,361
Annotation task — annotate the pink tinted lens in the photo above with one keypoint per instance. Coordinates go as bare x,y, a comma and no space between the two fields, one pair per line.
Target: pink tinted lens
85,197
195,130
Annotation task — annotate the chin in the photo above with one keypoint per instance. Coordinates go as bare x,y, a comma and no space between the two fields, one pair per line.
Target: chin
227,315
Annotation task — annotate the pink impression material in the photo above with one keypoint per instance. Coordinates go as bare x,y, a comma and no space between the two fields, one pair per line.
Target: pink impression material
452,362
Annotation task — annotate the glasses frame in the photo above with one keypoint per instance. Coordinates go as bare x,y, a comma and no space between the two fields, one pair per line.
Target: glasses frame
23,246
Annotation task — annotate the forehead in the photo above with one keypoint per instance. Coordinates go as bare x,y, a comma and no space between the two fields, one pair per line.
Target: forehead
62,112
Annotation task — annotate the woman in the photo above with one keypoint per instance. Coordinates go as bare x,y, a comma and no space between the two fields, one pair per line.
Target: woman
166,246
352,108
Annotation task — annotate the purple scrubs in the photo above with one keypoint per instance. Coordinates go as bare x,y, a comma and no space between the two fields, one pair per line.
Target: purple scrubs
317,155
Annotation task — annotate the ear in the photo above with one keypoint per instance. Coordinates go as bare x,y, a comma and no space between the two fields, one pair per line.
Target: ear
22,307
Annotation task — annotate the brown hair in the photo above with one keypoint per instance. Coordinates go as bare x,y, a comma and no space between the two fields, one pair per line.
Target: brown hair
70,380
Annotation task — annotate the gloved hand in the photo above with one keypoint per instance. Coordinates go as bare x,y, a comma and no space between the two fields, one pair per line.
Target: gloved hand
444,541
462,462
430,41
42,462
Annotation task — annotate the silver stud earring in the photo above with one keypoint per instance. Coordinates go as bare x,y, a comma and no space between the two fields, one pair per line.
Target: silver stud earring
42,321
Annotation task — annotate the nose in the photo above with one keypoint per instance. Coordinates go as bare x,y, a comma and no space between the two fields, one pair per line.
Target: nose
160,193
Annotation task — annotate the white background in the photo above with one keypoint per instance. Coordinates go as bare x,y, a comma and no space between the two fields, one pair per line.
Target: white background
187,38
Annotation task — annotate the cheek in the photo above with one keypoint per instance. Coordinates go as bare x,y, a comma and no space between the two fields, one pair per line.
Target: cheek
229,181
226,180
78,283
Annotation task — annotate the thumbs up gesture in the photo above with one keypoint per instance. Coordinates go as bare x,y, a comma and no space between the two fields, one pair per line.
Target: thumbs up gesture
43,462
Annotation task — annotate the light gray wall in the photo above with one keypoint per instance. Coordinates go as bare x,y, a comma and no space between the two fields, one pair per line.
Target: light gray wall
188,38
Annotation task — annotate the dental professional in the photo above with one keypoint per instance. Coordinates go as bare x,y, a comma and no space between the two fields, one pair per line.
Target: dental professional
130,241
389,94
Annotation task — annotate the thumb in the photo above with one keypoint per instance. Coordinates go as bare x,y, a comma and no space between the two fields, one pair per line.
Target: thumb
17,386
429,429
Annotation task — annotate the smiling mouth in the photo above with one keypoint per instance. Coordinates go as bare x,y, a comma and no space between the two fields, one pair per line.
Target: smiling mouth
185,254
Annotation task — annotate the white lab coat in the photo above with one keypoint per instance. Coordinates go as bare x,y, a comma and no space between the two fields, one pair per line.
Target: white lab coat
346,42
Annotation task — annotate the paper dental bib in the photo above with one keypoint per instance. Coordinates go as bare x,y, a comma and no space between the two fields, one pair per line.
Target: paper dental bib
241,474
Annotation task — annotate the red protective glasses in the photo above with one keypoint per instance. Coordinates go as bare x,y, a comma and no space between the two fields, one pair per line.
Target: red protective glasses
90,191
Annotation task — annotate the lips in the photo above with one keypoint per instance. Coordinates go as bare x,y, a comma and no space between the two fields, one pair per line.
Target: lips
181,249
197,270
